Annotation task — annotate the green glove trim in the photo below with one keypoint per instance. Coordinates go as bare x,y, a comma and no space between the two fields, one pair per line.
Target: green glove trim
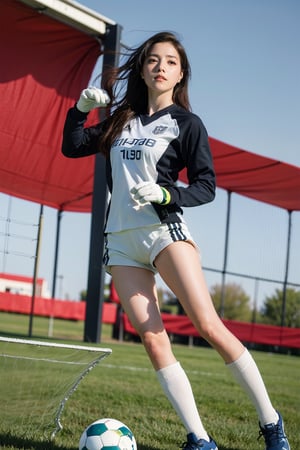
166,196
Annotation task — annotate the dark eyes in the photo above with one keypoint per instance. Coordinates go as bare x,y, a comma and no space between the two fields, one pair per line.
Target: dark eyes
155,61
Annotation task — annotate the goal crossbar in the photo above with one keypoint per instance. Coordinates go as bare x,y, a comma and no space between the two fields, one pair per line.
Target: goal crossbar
107,351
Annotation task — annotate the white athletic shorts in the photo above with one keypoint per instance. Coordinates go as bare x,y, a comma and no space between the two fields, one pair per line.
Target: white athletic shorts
139,247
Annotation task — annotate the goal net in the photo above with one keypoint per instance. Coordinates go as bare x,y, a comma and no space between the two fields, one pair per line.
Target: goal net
37,379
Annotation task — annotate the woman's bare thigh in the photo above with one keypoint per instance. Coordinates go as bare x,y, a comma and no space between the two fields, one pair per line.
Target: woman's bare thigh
137,291
179,266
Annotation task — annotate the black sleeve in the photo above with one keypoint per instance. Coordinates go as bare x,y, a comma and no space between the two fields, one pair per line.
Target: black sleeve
197,158
77,140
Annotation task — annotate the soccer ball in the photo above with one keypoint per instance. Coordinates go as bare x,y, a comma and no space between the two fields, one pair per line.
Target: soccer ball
109,434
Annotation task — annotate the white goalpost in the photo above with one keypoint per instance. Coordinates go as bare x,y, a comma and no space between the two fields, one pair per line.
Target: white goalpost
38,378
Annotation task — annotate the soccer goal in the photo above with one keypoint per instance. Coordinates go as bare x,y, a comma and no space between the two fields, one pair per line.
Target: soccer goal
37,379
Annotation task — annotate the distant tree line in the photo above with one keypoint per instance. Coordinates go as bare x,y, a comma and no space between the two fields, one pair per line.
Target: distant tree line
237,306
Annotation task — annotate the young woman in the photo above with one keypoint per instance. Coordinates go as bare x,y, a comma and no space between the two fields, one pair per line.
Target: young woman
148,139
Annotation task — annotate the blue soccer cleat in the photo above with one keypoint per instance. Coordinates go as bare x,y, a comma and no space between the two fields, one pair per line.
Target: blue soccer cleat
198,444
274,435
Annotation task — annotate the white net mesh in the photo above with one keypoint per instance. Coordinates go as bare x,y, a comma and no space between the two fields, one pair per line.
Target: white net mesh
37,379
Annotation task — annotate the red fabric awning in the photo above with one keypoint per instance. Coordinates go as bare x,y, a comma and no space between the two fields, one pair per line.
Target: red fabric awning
254,176
45,65
257,177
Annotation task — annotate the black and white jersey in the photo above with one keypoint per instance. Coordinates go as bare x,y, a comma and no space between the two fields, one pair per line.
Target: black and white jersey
150,148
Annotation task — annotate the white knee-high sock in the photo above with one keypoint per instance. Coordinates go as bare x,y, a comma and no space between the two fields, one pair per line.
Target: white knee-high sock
247,374
177,388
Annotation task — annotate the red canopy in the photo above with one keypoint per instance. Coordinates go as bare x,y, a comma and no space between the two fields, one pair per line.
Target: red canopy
45,65
257,177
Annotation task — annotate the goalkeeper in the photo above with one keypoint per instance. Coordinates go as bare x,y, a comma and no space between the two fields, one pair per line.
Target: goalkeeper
148,139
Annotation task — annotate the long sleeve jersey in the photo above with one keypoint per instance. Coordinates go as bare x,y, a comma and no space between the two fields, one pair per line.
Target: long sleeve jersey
150,148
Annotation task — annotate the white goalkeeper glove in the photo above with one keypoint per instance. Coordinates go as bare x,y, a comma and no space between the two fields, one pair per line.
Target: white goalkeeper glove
91,98
147,191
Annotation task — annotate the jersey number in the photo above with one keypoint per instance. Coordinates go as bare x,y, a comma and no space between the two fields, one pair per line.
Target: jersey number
131,154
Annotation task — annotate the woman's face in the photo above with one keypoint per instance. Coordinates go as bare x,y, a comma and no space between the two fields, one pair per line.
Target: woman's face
162,68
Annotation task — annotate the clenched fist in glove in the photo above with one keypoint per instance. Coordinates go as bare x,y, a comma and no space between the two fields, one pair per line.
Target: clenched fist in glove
148,191
91,98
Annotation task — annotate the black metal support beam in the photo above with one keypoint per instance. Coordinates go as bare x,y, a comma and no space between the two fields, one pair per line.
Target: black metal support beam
35,270
223,288
285,283
54,276
95,288
57,236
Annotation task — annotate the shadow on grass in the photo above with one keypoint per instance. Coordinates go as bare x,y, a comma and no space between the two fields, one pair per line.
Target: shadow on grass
15,335
146,447
23,443
7,334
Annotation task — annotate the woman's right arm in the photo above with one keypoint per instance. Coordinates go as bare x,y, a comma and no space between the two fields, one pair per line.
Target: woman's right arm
77,140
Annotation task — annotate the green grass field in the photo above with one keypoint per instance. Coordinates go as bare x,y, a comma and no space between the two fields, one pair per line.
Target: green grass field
124,386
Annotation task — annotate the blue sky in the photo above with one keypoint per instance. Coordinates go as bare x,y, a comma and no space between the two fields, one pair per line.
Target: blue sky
245,64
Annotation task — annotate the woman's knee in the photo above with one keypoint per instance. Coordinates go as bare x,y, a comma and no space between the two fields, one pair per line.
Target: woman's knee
211,330
158,347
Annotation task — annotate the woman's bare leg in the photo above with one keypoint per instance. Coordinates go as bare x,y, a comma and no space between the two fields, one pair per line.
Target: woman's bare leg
137,291
180,268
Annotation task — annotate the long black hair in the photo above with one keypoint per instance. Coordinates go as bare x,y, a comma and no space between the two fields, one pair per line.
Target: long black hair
128,91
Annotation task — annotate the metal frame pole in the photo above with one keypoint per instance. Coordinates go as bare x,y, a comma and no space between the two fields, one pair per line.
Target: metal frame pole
35,270
95,288
222,302
51,318
288,248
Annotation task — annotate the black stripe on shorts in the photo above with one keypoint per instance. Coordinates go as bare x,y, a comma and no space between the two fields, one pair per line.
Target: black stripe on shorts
176,233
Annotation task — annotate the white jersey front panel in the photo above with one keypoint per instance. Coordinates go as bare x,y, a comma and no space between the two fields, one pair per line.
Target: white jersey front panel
134,157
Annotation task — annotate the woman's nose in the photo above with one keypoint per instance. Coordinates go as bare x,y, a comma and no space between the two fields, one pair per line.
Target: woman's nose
160,66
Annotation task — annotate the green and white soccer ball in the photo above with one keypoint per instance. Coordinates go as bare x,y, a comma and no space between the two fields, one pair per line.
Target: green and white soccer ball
107,434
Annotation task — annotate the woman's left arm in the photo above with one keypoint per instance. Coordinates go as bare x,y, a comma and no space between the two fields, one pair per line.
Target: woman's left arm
196,153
